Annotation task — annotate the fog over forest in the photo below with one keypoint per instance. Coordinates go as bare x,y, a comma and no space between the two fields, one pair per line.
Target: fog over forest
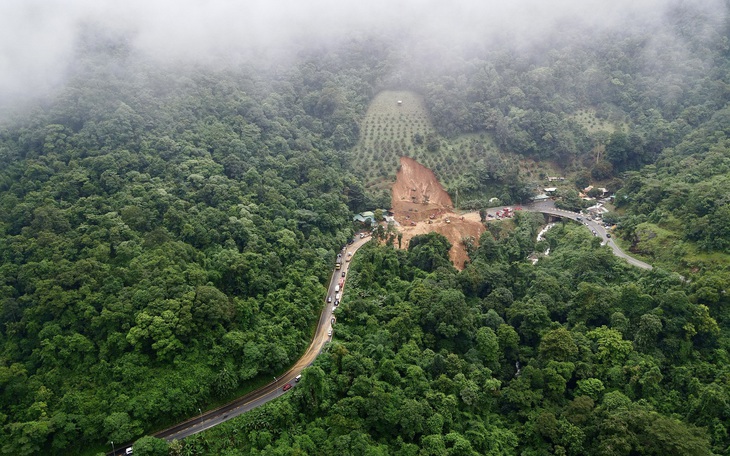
177,178
38,38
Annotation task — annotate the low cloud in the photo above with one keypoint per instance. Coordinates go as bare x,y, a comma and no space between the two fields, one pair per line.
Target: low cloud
38,37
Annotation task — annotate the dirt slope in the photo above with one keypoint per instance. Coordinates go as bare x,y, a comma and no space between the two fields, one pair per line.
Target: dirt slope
416,196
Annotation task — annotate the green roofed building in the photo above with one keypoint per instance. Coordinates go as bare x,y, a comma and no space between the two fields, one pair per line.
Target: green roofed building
365,217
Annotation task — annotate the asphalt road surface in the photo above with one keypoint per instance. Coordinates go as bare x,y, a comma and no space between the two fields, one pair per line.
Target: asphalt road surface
273,390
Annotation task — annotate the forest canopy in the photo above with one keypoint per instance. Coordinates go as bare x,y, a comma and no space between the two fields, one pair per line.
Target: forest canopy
165,240
167,232
580,354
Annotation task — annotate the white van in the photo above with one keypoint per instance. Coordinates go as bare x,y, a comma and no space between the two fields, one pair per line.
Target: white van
337,288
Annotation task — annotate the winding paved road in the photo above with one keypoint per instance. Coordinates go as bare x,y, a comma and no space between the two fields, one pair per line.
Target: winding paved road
273,390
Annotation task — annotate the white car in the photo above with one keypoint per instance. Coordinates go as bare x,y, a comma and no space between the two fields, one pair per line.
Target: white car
329,333
128,450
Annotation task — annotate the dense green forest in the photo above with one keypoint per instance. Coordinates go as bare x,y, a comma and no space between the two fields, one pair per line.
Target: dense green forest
661,93
165,237
650,88
166,234
679,207
580,354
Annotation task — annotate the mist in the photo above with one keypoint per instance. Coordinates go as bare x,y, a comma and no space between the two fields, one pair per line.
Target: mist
39,38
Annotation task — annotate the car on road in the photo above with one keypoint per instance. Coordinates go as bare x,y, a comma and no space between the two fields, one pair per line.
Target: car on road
608,235
362,235
329,333
286,387
337,302
297,378
343,273
128,450
329,299
580,219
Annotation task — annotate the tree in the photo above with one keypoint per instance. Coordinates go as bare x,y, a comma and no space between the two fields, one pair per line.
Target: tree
314,386
670,436
590,387
617,149
531,317
151,446
602,170
488,346
508,341
610,348
121,428
650,326
429,251
569,200
558,345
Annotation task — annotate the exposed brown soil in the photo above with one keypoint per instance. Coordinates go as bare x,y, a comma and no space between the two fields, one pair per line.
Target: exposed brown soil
416,196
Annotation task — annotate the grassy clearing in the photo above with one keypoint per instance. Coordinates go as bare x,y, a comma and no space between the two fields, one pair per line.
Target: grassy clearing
664,247
538,172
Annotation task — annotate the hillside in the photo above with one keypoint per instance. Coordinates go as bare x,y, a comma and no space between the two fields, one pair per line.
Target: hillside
420,205
678,210
393,124
168,228
580,354
165,238
468,163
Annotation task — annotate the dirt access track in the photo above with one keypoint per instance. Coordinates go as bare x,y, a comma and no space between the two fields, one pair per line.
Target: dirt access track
421,205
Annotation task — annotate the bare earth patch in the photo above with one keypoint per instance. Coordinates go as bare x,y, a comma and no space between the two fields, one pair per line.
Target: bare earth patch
421,205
